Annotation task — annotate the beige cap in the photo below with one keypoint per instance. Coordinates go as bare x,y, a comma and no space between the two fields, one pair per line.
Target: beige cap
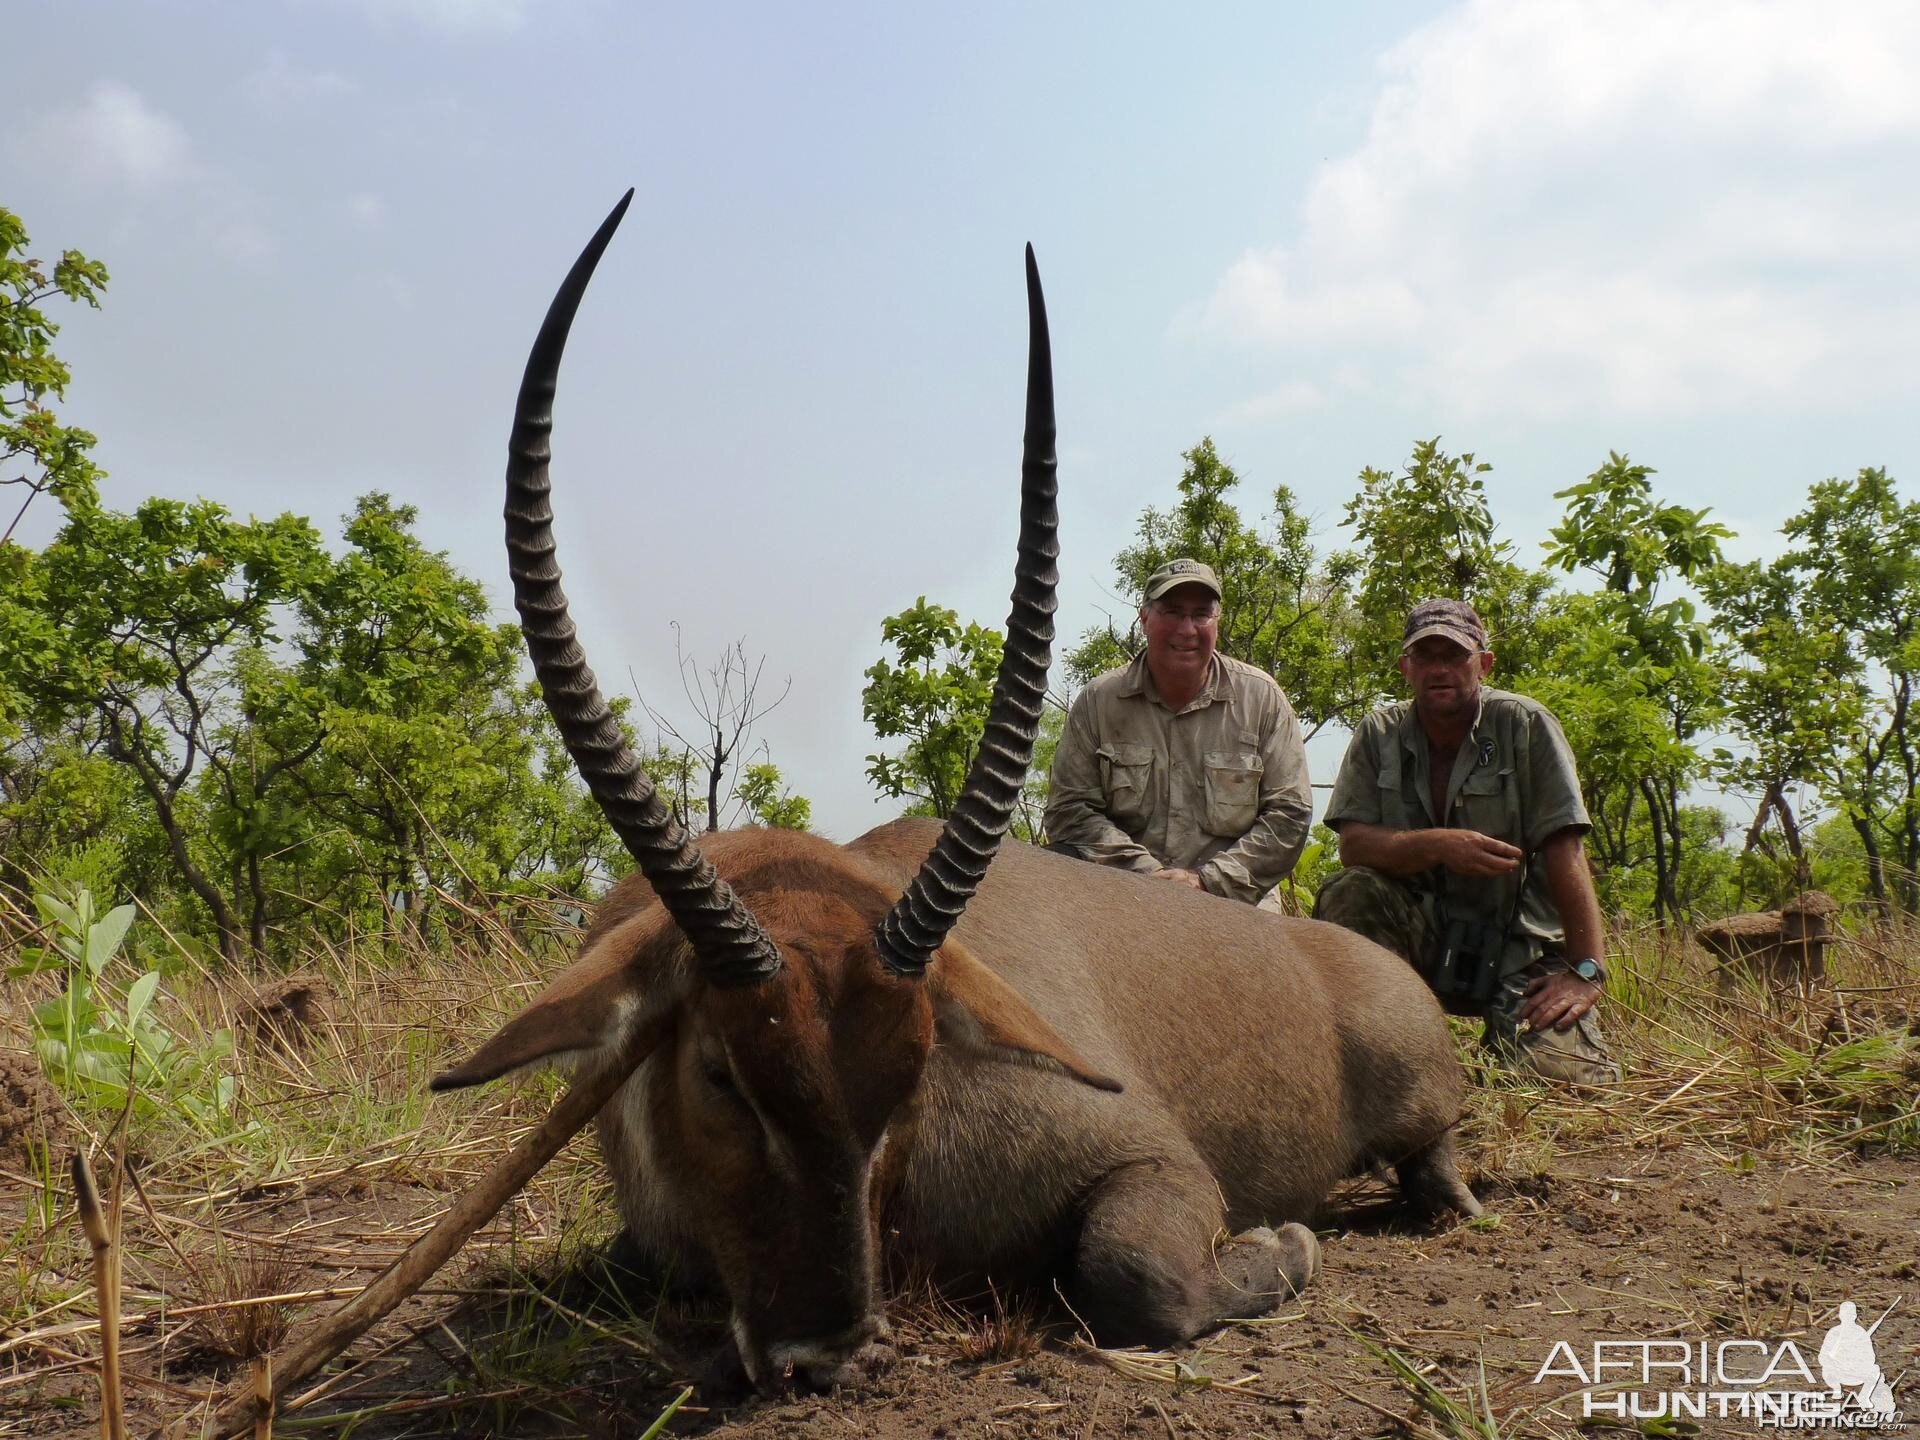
1182,572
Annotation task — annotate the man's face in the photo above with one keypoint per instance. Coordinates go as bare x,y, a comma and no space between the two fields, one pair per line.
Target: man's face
1444,676
1181,627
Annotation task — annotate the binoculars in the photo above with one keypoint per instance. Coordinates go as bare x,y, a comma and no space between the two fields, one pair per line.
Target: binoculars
1467,967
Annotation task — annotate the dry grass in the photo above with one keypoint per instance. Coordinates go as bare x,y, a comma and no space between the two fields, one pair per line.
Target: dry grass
999,1332
1819,1076
232,1285
333,1160
336,1158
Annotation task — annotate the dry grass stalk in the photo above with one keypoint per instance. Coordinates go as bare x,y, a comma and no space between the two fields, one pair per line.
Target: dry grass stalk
102,1227
262,1375
1163,1368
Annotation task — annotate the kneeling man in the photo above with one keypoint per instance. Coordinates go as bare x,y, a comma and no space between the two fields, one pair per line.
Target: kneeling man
1185,764
1461,828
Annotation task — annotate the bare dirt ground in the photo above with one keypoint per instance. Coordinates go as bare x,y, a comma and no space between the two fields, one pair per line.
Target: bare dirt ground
1404,1333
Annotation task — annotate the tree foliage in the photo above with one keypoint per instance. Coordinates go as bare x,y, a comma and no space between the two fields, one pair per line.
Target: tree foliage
1854,563
38,454
933,692
1634,661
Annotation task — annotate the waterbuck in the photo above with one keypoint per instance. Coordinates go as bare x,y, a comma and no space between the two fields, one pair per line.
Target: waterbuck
1039,1070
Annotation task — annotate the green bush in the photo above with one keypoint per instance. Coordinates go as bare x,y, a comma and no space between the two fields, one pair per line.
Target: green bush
106,1045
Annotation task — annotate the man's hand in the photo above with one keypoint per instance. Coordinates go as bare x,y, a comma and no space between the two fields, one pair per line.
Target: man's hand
1558,1000
1189,878
1468,852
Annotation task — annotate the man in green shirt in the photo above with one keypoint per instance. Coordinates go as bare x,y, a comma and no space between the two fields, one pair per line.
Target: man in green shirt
1461,833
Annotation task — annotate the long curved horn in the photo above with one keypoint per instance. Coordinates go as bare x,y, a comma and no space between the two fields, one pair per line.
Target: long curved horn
915,926
731,947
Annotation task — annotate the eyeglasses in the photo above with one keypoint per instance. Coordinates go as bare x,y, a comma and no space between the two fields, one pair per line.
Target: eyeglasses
1175,616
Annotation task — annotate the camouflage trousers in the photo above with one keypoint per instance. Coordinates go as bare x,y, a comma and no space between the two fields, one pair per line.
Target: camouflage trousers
1390,914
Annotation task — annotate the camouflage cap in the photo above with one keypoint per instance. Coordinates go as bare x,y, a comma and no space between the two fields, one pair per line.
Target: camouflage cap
1454,620
1182,572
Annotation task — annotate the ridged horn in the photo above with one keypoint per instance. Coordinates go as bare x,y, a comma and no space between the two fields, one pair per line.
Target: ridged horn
731,947
933,903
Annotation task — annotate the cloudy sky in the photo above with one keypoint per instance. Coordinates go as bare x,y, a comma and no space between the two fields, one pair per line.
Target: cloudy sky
1541,229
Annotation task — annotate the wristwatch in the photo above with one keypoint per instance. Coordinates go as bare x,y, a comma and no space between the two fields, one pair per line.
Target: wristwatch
1588,970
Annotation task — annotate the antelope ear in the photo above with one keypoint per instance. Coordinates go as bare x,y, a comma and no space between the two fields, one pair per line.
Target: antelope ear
603,996
976,1011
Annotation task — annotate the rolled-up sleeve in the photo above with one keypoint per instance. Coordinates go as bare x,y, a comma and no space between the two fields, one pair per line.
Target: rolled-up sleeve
1266,854
1077,803
1356,789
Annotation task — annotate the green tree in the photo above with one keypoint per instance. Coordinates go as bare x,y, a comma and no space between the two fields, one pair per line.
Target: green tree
428,747
152,608
1795,698
1638,663
67,811
934,694
1855,563
769,801
38,453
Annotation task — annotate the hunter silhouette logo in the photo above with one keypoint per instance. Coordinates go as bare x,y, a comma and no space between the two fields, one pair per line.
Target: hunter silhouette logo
1767,1382
1848,1363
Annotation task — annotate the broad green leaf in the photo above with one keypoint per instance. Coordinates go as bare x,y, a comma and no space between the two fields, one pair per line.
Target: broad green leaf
56,911
140,995
152,1039
105,937
101,1057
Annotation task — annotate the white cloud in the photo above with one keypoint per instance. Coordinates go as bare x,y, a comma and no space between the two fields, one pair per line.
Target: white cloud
114,136
1291,398
367,210
1649,205
279,82
453,17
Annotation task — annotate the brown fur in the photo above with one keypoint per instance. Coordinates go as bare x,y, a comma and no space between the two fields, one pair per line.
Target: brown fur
1100,1074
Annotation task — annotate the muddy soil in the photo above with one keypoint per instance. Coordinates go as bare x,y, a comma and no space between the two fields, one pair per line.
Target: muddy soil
1405,1332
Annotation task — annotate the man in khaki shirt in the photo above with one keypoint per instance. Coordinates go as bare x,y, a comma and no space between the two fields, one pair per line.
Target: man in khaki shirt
1184,764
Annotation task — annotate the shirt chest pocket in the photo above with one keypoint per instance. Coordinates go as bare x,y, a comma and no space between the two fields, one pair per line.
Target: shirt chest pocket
1233,792
1489,803
1126,774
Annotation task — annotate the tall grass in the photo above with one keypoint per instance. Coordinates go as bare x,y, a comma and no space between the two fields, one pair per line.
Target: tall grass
1823,1073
